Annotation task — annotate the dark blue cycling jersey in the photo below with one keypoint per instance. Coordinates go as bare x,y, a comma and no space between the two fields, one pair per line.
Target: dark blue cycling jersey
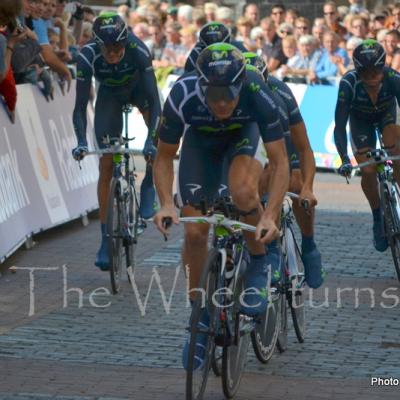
132,77
289,115
186,105
354,102
190,64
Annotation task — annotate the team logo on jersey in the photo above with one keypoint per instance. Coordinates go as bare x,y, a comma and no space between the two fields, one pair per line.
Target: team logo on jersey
254,87
218,55
193,187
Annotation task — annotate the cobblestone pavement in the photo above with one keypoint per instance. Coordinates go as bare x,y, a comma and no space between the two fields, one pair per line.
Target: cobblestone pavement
64,336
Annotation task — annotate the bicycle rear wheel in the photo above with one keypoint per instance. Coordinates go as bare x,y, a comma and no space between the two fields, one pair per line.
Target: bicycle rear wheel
266,332
196,379
391,209
234,356
114,231
281,342
295,295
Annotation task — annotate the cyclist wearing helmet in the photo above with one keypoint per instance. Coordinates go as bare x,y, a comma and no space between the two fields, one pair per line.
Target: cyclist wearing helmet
367,98
302,166
121,63
222,110
213,32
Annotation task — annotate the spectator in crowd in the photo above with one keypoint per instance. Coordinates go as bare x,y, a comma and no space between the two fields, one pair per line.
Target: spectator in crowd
327,70
301,27
258,40
278,12
285,29
199,18
291,16
226,16
157,44
318,32
172,14
395,16
252,12
244,27
391,45
141,30
381,35
303,62
289,47
88,14
351,44
210,10
272,50
359,27
357,7
9,37
49,57
331,16
185,15
173,51
60,7
188,41
87,33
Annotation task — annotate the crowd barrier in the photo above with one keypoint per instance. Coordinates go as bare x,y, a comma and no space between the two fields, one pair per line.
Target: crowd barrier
41,186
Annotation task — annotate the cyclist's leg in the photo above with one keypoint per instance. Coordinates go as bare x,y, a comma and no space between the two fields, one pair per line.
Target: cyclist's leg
199,176
107,121
391,137
244,174
363,139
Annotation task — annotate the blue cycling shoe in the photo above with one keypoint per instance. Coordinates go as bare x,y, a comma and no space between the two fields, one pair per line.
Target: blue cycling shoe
102,256
313,272
147,195
380,241
255,299
201,343
274,258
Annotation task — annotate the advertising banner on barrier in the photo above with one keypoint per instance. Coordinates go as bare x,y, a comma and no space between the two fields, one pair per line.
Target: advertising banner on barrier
40,184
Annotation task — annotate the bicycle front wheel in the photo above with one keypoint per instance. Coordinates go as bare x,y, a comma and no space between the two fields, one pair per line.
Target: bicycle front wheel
196,376
114,231
131,230
234,356
391,210
266,332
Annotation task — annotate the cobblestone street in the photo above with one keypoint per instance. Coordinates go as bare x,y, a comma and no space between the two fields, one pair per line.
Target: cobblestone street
64,336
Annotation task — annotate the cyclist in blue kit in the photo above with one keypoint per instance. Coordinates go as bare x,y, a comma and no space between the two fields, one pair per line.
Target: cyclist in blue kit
122,65
221,110
367,99
302,172
213,32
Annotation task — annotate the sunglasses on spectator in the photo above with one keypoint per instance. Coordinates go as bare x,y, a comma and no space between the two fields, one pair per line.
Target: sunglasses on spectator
330,13
303,28
277,12
396,14
285,32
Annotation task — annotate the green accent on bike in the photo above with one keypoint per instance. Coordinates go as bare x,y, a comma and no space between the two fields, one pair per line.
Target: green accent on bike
118,82
242,143
210,129
117,158
153,133
201,221
236,226
254,87
250,67
263,293
221,231
277,275
369,43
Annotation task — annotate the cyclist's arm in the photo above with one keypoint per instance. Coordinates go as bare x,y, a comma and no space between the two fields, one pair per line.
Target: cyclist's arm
298,134
163,172
341,116
83,86
170,133
151,93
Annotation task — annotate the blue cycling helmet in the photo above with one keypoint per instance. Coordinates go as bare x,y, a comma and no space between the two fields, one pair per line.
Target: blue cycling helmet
369,54
214,32
256,63
110,28
221,68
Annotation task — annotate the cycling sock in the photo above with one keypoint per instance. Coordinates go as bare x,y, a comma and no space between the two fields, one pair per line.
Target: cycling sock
103,229
376,214
307,243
